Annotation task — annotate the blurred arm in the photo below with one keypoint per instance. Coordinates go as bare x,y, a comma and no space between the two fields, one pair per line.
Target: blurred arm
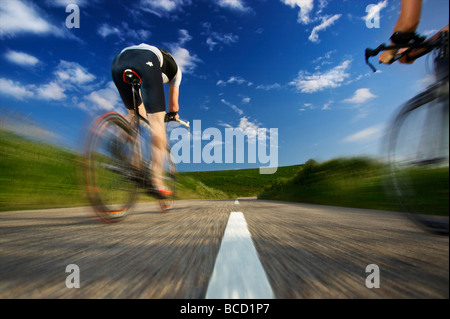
408,21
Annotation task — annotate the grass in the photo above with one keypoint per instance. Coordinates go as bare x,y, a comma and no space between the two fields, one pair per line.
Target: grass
240,183
362,183
39,175
36,175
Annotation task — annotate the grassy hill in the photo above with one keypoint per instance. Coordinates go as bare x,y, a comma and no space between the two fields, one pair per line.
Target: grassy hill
241,183
362,183
39,175
35,174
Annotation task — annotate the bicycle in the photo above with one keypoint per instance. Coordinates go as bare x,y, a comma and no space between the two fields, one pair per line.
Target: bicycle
417,143
115,168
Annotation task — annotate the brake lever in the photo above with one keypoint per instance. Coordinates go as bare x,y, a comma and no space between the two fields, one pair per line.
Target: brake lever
370,53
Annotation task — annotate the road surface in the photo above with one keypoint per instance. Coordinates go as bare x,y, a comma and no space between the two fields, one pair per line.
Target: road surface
306,251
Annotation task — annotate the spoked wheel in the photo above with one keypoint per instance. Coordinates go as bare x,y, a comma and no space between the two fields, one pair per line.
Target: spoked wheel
419,159
170,181
110,167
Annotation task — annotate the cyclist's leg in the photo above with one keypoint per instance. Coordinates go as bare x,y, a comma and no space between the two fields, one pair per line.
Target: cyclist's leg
152,92
158,146
130,116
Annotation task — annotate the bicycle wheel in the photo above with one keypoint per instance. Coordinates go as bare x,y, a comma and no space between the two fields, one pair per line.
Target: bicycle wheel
170,181
419,159
111,162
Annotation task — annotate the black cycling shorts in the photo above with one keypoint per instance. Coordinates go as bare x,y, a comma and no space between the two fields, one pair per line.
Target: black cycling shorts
146,64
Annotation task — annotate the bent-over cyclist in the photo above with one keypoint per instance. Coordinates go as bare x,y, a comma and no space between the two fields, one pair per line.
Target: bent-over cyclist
154,67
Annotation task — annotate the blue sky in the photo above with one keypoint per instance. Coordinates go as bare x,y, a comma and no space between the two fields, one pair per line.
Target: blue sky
294,65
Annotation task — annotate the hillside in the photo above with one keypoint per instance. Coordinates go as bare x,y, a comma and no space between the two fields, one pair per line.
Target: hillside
36,175
362,183
241,183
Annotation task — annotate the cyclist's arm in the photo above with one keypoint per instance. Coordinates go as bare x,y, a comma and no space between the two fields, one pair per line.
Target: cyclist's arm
174,93
418,51
407,22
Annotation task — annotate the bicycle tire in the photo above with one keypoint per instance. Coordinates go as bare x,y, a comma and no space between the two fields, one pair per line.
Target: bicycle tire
111,152
419,160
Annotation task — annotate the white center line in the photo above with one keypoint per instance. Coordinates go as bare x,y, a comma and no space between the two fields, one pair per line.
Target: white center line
238,273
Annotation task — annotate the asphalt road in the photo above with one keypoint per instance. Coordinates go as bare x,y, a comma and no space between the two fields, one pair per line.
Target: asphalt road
307,251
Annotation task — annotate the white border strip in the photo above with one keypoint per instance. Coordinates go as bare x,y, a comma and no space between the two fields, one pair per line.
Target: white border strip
238,273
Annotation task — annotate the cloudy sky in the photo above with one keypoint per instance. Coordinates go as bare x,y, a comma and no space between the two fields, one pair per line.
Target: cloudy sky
294,65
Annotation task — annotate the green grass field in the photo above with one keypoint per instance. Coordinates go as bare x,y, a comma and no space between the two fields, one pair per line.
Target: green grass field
363,183
39,175
36,175
240,183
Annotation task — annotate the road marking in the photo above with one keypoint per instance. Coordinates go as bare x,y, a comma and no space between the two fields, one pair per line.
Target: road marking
238,273
236,202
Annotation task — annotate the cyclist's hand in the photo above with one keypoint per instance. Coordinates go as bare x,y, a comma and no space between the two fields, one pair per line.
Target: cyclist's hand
171,116
387,56
405,58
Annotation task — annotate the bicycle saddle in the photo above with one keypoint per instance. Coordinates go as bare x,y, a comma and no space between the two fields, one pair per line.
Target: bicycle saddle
131,77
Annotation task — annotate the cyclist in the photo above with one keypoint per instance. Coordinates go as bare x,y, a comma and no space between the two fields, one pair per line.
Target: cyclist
155,67
408,22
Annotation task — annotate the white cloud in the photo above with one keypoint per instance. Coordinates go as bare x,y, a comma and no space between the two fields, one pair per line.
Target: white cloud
107,99
361,96
215,38
268,87
326,22
310,83
233,4
21,58
365,135
166,5
234,79
163,7
69,78
184,36
233,107
249,127
65,3
211,43
307,106
326,106
306,7
17,17
246,100
106,30
74,73
15,89
51,91
123,32
307,15
185,60
325,59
